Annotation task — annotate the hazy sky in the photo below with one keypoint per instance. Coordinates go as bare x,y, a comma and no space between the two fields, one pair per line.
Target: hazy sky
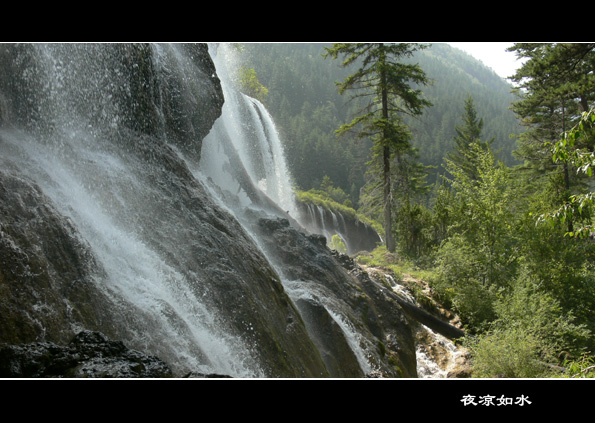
493,55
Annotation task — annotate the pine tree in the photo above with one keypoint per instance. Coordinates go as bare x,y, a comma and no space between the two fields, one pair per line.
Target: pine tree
466,136
385,81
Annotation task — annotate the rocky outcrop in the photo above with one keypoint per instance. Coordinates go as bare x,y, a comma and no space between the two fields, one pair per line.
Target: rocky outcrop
334,279
88,355
46,268
144,94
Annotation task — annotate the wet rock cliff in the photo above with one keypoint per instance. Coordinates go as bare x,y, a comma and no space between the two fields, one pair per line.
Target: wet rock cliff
106,227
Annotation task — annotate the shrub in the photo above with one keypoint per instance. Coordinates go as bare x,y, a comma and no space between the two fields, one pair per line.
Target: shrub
460,283
338,244
510,353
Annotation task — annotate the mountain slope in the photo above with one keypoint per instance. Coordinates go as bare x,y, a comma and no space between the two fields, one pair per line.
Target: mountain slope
306,107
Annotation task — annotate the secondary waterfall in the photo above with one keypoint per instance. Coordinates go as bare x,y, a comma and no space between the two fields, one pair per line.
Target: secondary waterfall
243,154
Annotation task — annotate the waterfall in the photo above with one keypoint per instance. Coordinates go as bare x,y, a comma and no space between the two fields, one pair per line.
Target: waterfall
243,151
75,156
243,154
277,180
169,221
427,365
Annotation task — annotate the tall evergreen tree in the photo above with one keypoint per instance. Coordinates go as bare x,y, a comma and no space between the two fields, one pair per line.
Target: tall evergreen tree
467,135
385,82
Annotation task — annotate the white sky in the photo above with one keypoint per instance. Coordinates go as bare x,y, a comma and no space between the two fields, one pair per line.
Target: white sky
493,55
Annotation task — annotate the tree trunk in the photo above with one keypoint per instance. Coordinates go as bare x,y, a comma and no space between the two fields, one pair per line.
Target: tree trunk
388,233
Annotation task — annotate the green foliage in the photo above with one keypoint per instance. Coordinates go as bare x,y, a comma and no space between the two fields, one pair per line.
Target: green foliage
414,230
531,306
555,85
443,212
529,334
584,367
579,207
510,353
460,282
338,244
467,136
390,87
250,85
478,255
409,187
457,78
485,215
335,193
324,199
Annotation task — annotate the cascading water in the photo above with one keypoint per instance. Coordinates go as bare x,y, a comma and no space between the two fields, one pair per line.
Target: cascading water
173,220
243,151
243,154
74,154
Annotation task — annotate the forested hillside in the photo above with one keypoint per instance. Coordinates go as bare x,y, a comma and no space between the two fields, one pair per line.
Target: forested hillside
505,235
303,99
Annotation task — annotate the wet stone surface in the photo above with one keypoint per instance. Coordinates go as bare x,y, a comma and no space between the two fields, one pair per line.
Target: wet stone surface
88,355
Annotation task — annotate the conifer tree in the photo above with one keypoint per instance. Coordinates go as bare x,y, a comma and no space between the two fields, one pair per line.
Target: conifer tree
467,135
385,83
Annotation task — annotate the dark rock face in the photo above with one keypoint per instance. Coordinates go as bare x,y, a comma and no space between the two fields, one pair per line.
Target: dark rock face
329,338
177,102
88,355
370,309
45,268
105,126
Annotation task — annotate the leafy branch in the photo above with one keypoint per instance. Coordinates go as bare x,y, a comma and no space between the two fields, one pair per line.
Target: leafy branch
566,151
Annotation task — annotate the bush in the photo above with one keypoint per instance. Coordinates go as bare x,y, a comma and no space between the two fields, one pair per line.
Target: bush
338,244
414,230
510,353
584,367
528,336
461,285
532,307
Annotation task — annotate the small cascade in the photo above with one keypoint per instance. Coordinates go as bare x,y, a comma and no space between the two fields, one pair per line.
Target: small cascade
335,220
436,355
311,222
356,236
322,221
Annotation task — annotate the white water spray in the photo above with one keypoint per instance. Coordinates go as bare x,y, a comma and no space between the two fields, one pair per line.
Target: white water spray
243,152
104,192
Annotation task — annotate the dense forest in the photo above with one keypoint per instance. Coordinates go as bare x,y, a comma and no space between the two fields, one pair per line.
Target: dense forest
490,199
